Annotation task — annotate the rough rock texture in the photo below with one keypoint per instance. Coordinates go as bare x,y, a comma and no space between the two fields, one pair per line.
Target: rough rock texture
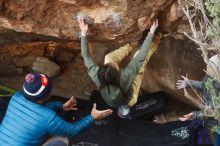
22,55
171,17
173,59
49,28
118,21
46,66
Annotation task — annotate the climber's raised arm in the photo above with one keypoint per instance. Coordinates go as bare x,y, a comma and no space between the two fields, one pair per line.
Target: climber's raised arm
89,63
138,60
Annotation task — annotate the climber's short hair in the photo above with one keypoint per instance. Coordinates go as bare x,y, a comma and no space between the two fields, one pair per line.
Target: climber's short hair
107,74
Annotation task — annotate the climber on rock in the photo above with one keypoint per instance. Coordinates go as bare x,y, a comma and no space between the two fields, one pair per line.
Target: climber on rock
30,119
119,87
198,117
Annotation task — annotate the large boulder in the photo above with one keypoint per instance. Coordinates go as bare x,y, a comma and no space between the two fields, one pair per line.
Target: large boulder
49,28
173,59
45,66
118,21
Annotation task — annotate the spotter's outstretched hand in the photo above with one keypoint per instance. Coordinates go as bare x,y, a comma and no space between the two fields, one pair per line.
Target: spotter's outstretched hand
182,83
70,104
186,117
98,115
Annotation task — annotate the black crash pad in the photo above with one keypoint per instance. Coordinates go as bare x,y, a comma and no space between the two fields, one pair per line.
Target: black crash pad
114,131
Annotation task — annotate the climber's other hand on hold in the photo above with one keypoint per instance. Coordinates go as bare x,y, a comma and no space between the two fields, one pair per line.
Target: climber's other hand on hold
83,26
154,26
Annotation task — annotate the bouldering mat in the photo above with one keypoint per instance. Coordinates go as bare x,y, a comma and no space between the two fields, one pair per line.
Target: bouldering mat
114,131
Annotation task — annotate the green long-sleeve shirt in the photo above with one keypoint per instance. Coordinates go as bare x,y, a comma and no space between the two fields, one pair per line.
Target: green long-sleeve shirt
112,94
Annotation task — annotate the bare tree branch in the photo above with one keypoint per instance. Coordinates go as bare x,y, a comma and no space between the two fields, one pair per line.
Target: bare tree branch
200,26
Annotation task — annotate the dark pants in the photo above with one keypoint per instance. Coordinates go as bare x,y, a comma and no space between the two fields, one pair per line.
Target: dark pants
198,134
216,139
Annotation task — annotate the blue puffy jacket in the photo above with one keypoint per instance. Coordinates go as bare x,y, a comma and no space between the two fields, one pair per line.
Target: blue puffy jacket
29,123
